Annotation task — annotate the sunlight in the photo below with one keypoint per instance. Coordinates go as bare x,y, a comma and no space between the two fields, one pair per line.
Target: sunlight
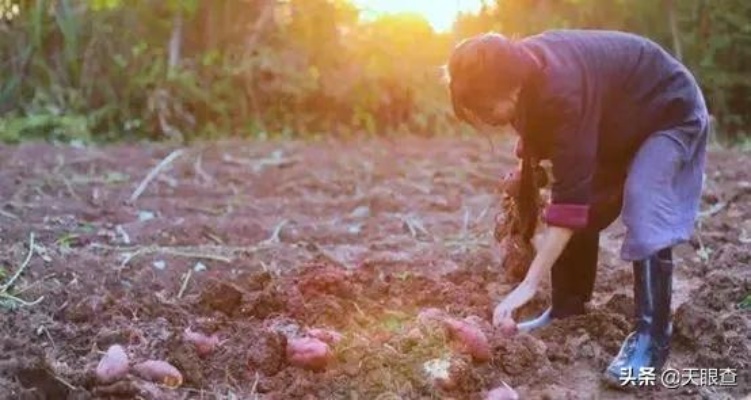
9,10
440,13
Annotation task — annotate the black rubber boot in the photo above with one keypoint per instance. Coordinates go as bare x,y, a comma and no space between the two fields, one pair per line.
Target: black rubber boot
572,278
648,346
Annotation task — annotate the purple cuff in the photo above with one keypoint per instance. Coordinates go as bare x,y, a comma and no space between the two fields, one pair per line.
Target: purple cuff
572,216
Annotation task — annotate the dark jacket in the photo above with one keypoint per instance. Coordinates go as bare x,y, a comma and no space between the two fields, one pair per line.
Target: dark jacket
594,98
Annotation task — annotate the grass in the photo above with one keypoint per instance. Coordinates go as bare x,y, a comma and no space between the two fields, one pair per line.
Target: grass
8,299
746,303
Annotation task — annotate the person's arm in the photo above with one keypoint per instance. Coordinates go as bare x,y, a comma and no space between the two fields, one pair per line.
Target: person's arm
551,246
555,240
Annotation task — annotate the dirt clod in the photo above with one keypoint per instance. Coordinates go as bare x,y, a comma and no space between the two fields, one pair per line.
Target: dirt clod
267,353
187,360
221,296
262,304
87,309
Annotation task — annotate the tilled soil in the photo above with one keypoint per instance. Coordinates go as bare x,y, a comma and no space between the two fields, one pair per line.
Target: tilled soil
260,242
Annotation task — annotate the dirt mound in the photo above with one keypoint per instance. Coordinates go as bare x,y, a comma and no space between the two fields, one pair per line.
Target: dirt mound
593,336
716,324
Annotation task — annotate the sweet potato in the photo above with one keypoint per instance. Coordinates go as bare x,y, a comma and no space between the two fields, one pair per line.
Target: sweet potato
470,338
325,335
159,372
309,353
204,344
508,327
504,392
113,366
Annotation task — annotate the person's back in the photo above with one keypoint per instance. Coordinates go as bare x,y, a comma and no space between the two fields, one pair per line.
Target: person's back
635,86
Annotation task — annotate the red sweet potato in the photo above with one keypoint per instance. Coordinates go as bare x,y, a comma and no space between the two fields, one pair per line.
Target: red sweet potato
308,353
508,327
328,336
504,392
471,339
204,344
113,366
159,372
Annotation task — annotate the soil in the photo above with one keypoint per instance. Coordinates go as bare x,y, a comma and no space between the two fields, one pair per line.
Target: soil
258,242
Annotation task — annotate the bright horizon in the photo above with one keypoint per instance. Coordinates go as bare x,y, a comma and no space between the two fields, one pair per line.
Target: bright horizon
439,13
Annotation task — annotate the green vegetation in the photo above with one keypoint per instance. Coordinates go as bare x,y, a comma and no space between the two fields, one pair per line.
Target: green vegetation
183,70
746,303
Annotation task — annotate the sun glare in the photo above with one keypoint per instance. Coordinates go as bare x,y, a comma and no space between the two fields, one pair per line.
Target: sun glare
439,13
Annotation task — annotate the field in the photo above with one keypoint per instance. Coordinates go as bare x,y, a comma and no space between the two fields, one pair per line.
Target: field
258,241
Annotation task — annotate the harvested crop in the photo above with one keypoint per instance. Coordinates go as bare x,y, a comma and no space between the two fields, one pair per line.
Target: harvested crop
309,353
470,338
204,344
113,366
508,327
159,372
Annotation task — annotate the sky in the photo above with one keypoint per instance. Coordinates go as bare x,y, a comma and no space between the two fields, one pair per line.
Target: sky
440,13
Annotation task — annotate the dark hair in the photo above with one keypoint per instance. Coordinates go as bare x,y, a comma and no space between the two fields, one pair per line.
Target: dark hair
485,68
481,69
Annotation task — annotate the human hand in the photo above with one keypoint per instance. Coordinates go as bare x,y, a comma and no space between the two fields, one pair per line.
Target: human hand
517,298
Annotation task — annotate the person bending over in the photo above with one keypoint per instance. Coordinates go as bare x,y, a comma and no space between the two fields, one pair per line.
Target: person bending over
625,126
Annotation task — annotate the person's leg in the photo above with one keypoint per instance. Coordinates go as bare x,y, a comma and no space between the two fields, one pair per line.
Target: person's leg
648,346
573,274
661,200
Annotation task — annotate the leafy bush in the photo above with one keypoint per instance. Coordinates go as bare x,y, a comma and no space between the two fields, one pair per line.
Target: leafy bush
179,70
